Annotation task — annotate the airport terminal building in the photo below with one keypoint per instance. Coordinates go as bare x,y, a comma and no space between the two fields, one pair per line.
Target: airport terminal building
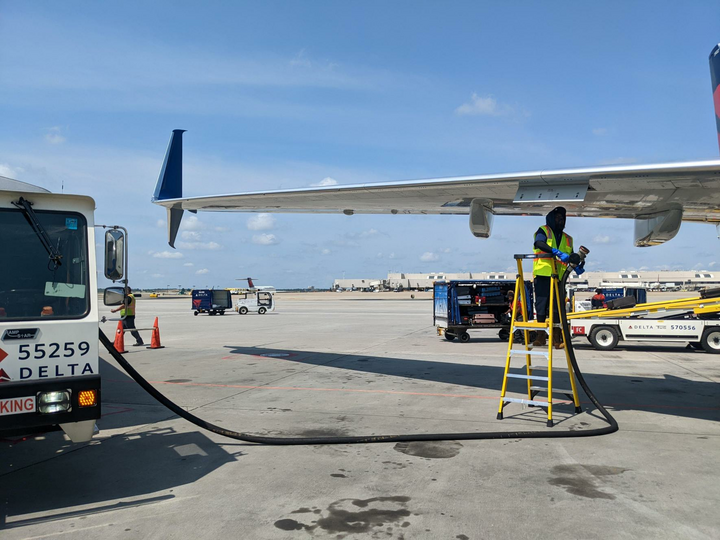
657,280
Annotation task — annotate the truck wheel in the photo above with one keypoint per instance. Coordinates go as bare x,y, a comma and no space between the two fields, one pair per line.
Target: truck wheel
195,313
504,334
262,311
211,312
243,310
604,338
222,312
711,340
464,337
450,336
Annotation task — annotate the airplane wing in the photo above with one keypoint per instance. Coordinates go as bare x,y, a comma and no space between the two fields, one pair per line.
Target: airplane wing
658,197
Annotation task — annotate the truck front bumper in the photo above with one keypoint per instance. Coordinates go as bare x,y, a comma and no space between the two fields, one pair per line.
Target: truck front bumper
15,418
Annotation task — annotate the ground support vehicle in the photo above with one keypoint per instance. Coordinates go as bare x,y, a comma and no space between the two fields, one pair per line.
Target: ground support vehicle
211,301
49,365
461,306
610,293
689,320
260,301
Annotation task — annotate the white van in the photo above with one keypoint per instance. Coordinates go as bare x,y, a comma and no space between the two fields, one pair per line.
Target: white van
259,301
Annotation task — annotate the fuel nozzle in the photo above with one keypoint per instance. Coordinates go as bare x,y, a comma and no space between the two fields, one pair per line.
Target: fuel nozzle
576,259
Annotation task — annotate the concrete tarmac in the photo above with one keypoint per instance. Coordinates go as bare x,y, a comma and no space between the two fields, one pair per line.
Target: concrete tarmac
360,364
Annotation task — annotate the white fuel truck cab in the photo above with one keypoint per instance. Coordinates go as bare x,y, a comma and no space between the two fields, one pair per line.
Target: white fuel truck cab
49,372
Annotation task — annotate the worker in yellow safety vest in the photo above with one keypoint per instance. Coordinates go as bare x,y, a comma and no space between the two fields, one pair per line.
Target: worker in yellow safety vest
127,310
551,238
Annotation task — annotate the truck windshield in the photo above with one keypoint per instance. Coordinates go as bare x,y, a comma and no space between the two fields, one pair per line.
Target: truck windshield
30,287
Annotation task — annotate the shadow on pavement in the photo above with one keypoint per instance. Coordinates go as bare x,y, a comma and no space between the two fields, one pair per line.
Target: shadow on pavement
665,394
144,470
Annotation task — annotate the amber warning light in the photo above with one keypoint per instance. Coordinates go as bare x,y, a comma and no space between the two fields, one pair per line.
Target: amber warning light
87,398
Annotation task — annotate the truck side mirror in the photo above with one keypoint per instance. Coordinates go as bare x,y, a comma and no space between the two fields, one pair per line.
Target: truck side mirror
114,296
114,255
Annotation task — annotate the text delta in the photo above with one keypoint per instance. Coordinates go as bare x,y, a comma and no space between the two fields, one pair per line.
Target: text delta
45,372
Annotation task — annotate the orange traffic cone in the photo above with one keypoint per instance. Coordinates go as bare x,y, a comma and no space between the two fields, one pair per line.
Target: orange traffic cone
120,338
155,339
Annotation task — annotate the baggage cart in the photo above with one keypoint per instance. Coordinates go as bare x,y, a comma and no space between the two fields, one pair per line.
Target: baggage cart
461,306
211,301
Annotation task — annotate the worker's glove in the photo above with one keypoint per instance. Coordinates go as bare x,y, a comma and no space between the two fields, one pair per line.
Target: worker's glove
564,257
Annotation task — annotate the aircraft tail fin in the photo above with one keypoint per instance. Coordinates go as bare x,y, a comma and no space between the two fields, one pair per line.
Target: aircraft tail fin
251,285
169,184
715,76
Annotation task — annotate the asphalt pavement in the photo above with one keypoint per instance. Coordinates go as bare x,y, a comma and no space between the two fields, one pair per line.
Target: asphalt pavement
364,364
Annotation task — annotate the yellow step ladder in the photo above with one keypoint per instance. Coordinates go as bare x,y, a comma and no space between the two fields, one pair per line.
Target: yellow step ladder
520,321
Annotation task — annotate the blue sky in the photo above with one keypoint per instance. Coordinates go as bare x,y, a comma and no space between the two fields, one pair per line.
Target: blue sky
290,94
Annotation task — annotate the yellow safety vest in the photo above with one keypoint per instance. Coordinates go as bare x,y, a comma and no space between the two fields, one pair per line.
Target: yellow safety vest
130,311
543,267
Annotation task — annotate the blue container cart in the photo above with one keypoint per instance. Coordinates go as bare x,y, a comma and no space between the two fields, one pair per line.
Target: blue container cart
460,306
211,301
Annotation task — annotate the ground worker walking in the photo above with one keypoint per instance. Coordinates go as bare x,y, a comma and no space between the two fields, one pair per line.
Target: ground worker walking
551,238
127,310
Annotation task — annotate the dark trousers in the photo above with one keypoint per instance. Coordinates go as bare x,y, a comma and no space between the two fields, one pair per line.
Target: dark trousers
129,322
542,299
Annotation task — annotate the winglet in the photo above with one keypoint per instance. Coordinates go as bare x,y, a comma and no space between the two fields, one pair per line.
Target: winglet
169,184
715,76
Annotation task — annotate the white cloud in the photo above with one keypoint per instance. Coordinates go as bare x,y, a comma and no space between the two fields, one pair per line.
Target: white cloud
429,257
203,271
191,235
711,264
188,264
265,239
160,223
483,106
192,223
301,59
600,131
325,182
53,136
368,234
602,239
207,246
325,252
364,234
391,256
168,255
222,229
10,172
261,222
158,275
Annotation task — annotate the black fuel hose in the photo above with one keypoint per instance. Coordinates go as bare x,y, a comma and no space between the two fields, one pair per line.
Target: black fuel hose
366,439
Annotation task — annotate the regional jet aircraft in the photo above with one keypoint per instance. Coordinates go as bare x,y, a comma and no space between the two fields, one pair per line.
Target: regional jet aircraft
658,197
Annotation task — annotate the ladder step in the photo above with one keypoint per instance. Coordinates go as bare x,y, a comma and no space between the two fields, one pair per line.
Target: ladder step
555,390
523,352
533,325
525,401
530,377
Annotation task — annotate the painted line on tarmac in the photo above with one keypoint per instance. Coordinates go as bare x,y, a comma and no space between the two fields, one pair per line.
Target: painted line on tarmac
398,392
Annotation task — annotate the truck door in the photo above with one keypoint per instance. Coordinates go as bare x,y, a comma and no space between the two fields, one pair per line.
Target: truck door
264,299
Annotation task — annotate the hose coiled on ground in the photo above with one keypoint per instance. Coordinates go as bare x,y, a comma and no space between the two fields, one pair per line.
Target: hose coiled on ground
367,439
